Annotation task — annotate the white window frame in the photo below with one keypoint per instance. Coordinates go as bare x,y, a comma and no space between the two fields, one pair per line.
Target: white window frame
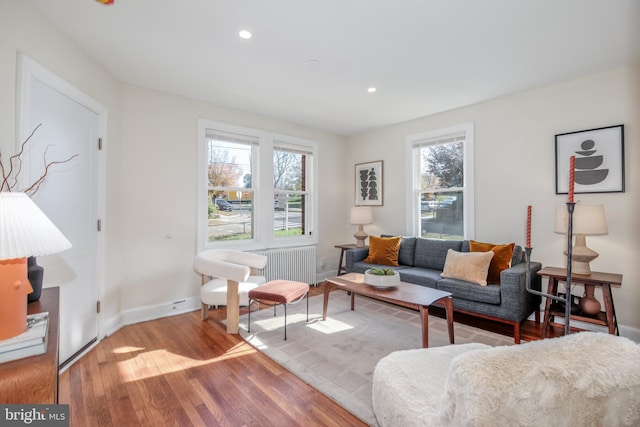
413,177
262,185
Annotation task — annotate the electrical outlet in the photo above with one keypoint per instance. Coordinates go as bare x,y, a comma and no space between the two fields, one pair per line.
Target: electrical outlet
176,304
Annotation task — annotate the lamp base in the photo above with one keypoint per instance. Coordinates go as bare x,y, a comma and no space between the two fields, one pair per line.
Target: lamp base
581,256
589,304
360,236
35,273
14,288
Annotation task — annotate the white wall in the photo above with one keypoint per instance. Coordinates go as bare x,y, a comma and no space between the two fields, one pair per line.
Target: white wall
515,167
23,29
159,167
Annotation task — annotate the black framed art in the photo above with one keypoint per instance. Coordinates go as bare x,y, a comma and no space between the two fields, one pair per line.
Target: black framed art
368,177
599,164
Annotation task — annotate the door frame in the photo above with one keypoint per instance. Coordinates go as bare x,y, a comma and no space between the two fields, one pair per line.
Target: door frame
28,69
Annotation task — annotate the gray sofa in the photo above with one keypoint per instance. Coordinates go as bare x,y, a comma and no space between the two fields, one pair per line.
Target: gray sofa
421,261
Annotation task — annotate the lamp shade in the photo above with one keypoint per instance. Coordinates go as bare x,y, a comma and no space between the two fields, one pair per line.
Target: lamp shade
361,215
588,219
25,230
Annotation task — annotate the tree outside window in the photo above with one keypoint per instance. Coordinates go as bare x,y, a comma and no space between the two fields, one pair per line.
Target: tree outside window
440,161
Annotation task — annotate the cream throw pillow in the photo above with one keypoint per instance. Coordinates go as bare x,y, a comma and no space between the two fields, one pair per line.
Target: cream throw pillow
469,266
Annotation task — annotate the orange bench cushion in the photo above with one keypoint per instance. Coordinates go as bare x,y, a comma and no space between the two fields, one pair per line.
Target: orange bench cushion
280,291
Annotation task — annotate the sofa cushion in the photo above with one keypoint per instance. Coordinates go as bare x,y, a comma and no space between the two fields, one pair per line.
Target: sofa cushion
407,249
383,250
460,289
469,266
518,255
432,253
408,385
583,379
501,258
420,276
361,267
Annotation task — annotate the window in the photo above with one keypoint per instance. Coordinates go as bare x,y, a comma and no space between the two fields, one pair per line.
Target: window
229,185
291,166
441,177
237,206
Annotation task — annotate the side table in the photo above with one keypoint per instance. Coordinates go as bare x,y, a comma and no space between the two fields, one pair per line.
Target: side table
604,280
341,268
34,379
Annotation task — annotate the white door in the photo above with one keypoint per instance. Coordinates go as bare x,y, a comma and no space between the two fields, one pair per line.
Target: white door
69,197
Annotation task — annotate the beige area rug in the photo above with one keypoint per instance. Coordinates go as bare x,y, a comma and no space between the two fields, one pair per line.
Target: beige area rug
337,356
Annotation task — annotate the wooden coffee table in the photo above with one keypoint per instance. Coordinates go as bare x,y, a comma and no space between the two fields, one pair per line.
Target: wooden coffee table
405,294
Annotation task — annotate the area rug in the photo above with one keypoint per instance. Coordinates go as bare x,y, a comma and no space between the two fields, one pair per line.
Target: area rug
337,356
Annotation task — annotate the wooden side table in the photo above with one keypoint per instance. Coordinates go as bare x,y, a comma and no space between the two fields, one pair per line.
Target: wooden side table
604,280
35,379
342,268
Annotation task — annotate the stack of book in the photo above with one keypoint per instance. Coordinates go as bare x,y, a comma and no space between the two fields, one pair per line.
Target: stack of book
30,343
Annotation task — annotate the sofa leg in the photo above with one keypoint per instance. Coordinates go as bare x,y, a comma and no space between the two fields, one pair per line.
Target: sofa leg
516,333
537,316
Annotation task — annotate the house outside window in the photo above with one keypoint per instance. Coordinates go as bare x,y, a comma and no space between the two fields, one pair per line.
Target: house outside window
441,177
237,207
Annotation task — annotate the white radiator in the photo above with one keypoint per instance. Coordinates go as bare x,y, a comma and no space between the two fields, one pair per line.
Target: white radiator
297,264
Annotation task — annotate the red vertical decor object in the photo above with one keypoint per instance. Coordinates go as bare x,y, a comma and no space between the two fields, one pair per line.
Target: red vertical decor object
528,227
572,177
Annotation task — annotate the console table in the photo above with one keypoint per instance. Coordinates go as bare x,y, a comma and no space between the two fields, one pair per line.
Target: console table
604,280
35,379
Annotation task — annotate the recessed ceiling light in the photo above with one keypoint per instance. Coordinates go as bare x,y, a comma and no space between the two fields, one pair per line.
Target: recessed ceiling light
371,89
312,63
245,34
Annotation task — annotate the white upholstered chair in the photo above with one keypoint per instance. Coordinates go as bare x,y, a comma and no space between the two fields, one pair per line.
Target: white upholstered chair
227,278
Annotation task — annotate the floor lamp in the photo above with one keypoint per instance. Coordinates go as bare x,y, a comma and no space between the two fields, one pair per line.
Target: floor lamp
25,231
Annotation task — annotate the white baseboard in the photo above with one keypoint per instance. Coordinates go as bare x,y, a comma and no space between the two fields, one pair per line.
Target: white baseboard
151,312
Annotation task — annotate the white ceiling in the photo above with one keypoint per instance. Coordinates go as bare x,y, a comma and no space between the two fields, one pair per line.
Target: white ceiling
424,56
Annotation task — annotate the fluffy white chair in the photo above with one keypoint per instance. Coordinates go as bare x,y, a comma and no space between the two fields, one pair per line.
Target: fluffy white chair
227,278
583,379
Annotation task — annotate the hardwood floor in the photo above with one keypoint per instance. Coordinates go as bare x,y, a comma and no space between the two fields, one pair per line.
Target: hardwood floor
181,371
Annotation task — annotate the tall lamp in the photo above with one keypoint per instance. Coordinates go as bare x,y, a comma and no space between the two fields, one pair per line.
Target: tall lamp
360,216
588,220
24,231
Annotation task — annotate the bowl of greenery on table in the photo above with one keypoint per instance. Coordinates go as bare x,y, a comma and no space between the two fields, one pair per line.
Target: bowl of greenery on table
381,277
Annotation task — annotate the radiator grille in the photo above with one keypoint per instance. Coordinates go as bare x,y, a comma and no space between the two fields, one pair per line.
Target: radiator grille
297,264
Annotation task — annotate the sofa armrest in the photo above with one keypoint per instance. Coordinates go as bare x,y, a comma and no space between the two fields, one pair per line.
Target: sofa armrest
513,289
355,255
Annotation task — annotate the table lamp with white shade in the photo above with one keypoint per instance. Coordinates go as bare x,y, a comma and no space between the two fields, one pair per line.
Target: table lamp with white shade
588,220
25,231
360,216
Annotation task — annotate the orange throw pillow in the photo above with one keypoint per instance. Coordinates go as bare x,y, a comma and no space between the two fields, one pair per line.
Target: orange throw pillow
501,258
383,250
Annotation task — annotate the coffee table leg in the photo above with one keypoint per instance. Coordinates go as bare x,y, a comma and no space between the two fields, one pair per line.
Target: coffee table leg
424,317
328,287
448,306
